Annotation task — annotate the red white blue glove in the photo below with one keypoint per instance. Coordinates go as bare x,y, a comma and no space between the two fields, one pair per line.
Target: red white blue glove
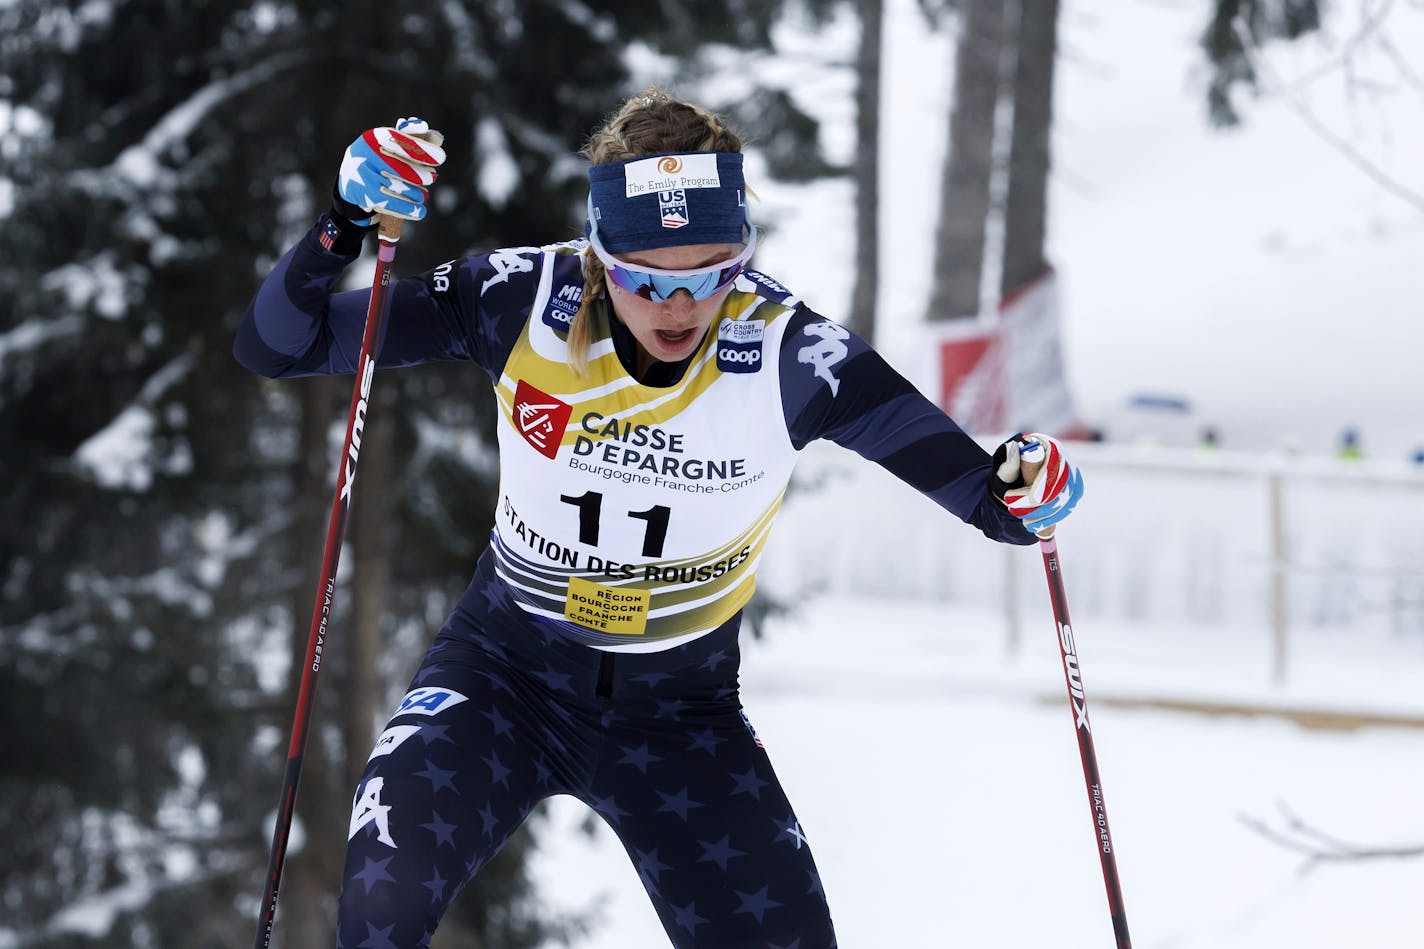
387,171
1035,481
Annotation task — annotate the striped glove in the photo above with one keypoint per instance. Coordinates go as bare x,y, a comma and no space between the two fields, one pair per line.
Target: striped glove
387,170
1035,481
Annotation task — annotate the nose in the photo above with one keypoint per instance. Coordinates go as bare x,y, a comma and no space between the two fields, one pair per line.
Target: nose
679,304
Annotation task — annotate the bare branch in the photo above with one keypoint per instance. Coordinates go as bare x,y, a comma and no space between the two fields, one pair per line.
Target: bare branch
1297,103
1304,838
1402,64
1371,28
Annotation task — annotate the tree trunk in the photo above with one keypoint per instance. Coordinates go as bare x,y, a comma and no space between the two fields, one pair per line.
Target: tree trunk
968,166
1026,209
861,318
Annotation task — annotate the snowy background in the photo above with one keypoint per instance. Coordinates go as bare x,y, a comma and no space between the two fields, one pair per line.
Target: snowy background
918,718
1258,272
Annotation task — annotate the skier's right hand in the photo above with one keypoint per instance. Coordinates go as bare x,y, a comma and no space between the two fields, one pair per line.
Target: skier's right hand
1035,481
387,170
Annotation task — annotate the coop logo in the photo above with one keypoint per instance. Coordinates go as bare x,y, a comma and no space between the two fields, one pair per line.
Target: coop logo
1075,678
739,345
562,307
429,701
540,418
358,426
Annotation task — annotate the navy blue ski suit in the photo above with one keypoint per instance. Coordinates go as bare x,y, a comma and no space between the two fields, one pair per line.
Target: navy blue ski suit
512,705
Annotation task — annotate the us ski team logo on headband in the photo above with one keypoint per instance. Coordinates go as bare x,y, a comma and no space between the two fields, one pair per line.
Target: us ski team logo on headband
672,207
670,173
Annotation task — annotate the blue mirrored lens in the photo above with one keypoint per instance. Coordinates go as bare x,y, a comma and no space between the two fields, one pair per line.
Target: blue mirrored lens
659,287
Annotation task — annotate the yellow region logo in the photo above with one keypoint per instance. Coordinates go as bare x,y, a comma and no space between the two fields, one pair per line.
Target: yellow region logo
609,609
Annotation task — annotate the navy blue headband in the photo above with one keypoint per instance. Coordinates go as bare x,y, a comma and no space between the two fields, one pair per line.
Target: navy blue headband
668,200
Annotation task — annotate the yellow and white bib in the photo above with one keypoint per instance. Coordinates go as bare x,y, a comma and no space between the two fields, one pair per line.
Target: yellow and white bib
637,515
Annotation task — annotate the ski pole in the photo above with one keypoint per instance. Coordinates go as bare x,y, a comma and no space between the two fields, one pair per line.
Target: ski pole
1073,676
389,232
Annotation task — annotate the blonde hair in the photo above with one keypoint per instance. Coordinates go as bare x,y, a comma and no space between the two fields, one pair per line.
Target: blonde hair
649,123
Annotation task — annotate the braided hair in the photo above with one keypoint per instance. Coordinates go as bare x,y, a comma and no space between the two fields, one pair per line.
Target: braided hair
649,123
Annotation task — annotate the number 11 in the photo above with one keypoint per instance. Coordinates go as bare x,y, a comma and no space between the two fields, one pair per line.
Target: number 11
590,505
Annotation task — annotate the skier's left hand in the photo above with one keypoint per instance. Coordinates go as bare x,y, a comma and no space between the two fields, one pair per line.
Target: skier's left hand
387,170
1035,481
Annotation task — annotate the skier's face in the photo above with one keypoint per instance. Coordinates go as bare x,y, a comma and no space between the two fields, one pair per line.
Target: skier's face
669,330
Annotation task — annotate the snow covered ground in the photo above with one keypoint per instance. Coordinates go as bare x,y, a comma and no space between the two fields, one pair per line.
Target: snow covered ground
1265,277
940,787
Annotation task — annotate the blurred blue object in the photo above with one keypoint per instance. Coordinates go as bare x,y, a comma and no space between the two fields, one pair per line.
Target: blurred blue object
1164,403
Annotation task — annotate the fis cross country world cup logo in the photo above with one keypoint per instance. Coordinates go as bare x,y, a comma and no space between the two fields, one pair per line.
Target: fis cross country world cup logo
540,418
739,345
563,306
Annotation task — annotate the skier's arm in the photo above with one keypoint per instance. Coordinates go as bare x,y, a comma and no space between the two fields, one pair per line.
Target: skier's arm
834,385
296,325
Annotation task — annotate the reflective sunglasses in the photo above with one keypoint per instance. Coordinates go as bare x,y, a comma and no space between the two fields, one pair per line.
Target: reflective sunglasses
656,285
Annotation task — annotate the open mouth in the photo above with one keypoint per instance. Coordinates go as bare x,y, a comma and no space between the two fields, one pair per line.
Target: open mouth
674,339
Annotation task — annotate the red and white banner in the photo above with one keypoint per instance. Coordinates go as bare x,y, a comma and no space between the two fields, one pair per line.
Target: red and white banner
968,373
1009,376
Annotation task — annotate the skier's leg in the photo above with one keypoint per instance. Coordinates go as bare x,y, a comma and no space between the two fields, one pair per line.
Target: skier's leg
455,772
696,804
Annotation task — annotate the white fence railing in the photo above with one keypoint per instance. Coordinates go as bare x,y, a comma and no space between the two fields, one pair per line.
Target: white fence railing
1277,545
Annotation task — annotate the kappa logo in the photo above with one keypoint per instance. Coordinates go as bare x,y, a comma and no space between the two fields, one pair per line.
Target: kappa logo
429,701
540,418
506,263
827,352
368,809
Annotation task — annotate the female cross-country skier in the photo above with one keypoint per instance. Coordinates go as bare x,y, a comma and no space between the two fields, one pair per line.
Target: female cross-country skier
653,392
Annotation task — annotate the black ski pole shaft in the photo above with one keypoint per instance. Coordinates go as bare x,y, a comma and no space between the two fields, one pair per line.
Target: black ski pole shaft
389,233
1072,675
